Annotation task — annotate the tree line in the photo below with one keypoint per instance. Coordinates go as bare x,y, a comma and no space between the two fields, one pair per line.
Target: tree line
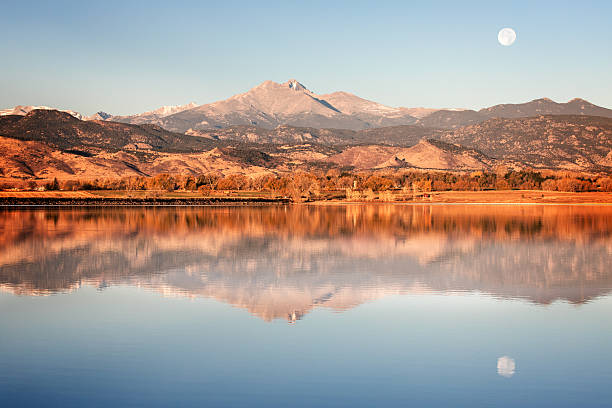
312,184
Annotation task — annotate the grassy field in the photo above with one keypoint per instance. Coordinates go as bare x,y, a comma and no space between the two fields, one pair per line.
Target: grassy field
181,194
506,197
136,194
519,196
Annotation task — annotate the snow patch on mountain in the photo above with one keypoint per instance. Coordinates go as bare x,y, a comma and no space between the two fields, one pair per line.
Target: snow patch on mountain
170,109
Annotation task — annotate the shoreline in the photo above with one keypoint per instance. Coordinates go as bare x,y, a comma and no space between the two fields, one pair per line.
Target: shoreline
8,202
116,199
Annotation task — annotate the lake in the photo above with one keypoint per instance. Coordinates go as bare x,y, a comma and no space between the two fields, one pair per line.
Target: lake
301,306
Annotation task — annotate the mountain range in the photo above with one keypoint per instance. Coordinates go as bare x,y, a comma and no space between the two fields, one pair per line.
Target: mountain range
275,128
272,104
44,144
453,119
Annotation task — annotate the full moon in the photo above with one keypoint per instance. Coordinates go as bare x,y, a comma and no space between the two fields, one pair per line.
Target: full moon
506,36
506,366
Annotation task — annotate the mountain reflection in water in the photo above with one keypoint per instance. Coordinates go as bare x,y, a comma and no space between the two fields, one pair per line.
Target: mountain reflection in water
283,261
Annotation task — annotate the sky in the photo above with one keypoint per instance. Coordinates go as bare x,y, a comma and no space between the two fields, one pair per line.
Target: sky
126,57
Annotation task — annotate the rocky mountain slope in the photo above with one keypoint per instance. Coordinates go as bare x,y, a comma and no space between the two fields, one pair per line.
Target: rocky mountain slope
271,104
36,160
427,154
47,144
64,131
407,135
372,113
145,117
564,141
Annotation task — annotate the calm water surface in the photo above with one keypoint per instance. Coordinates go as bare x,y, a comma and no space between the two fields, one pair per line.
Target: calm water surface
358,305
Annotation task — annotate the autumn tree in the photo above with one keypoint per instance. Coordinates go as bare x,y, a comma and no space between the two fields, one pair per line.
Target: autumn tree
53,186
377,183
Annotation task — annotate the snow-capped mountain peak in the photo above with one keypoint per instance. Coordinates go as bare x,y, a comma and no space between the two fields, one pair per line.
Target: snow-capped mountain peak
170,109
295,85
23,110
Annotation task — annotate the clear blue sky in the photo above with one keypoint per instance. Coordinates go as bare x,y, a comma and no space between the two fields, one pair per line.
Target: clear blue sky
130,56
